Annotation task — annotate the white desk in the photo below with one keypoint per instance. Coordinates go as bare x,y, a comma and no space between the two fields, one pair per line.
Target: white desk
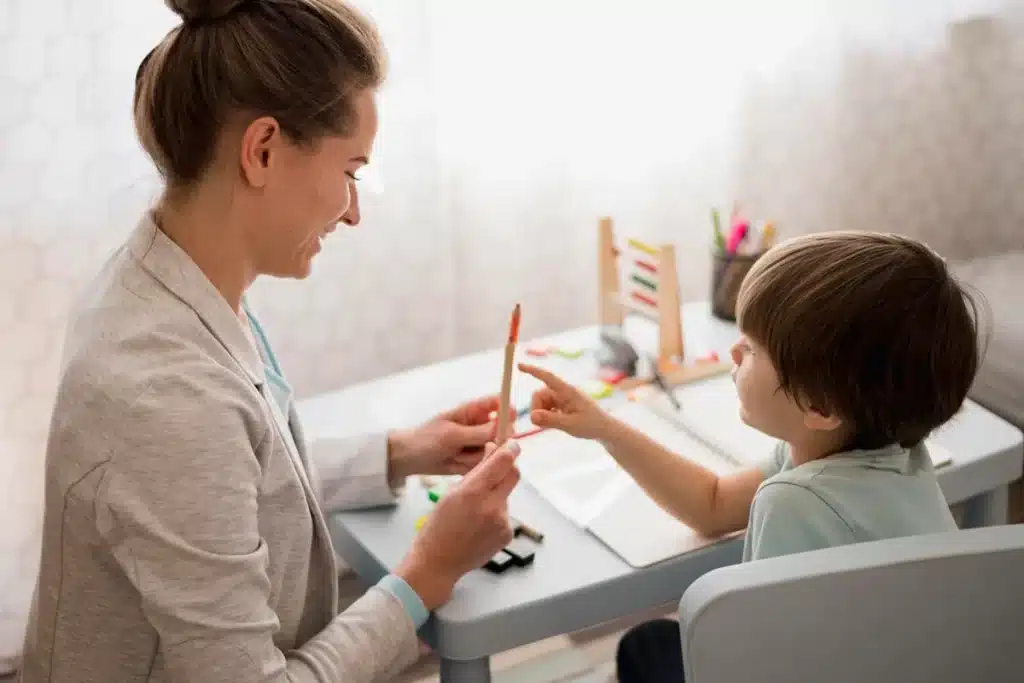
575,581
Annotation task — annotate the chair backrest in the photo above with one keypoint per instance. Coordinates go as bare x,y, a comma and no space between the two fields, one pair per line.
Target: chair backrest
941,608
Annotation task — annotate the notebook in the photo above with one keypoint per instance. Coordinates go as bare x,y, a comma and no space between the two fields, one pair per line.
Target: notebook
580,480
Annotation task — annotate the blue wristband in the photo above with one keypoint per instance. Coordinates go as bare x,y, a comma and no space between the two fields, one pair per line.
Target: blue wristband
412,602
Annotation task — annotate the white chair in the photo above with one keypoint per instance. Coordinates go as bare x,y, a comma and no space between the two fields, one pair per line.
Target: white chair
941,608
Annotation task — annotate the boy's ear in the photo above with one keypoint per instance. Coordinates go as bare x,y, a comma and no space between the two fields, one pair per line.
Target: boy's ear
820,421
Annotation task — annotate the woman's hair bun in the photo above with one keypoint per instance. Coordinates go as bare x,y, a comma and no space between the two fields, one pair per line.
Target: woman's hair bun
200,10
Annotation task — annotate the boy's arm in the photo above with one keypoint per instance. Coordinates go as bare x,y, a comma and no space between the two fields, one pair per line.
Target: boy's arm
711,505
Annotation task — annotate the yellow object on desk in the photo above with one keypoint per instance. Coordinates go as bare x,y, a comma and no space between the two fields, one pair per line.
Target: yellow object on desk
598,390
420,522
568,352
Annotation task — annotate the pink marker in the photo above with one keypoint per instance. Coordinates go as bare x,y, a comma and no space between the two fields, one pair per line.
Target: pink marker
736,236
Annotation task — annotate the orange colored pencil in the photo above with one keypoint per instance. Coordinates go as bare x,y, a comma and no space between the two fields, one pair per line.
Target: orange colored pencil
506,377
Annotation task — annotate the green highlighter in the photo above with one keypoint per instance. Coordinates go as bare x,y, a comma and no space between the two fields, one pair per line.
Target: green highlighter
719,235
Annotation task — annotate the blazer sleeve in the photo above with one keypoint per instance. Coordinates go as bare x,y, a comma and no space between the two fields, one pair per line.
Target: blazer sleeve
178,509
351,472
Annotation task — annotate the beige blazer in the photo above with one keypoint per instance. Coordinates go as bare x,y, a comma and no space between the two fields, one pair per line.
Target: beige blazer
184,535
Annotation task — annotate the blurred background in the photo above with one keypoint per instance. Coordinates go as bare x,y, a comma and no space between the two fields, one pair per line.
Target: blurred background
507,130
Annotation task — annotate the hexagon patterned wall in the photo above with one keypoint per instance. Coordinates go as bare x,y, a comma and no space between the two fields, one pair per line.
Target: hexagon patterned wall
484,201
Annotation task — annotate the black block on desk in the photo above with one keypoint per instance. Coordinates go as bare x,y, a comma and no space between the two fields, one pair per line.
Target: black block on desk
521,552
499,562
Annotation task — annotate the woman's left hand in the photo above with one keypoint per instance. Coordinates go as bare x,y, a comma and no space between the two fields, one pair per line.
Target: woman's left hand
451,443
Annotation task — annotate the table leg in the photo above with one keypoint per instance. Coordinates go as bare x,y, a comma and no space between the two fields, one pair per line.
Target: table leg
988,509
466,671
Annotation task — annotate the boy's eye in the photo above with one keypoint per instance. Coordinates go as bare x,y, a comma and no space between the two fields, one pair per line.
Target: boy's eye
352,175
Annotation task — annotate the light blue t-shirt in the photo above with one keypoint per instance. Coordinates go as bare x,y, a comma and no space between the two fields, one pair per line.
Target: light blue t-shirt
851,497
283,396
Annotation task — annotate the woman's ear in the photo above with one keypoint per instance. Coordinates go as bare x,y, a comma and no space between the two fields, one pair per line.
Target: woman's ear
259,144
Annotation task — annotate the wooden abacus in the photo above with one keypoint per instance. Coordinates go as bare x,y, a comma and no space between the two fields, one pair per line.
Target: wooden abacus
651,289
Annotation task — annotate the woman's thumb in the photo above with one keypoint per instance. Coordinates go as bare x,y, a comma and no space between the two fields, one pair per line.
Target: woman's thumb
474,436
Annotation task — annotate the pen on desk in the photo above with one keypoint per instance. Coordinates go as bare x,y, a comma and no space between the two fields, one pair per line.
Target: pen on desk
506,377
520,528
659,379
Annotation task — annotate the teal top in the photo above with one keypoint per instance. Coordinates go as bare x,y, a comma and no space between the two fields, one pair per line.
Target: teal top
283,396
850,497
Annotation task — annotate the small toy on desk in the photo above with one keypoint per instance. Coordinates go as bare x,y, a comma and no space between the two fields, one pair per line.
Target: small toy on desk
538,350
598,389
652,291
521,551
611,375
616,352
499,562
518,553
567,352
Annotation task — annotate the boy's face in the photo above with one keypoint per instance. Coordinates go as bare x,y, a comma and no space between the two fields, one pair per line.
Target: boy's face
764,405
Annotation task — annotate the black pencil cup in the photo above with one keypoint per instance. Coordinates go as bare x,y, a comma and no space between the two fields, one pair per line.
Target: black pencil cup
727,274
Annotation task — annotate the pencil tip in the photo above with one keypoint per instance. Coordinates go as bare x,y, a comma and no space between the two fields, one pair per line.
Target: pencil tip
513,333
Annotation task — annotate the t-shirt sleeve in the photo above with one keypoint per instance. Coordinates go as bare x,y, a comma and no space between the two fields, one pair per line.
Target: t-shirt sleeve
790,518
775,461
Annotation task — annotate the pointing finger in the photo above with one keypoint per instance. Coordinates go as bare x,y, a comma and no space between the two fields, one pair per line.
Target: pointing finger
549,378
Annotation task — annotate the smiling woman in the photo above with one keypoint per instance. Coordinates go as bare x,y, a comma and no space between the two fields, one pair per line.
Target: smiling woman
213,118
184,533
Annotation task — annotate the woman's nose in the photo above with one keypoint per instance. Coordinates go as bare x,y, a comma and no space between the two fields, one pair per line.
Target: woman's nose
351,215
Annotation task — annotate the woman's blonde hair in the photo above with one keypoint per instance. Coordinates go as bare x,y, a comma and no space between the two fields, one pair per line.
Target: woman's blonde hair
298,61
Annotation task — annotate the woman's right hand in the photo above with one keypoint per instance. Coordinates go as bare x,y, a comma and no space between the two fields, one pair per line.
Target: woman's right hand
468,525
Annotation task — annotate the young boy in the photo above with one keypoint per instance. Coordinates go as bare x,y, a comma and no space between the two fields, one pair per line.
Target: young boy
853,348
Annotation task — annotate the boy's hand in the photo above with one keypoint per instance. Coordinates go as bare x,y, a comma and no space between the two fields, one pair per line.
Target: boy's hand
560,405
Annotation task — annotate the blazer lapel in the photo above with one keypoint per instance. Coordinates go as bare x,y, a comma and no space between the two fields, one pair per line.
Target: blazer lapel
176,270
291,433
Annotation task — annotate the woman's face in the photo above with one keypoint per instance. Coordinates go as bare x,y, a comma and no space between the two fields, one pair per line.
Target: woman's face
306,191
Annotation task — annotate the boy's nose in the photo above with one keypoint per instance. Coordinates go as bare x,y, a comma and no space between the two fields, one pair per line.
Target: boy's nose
735,353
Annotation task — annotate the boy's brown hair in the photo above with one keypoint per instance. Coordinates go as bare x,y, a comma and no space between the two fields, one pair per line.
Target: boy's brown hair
870,327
